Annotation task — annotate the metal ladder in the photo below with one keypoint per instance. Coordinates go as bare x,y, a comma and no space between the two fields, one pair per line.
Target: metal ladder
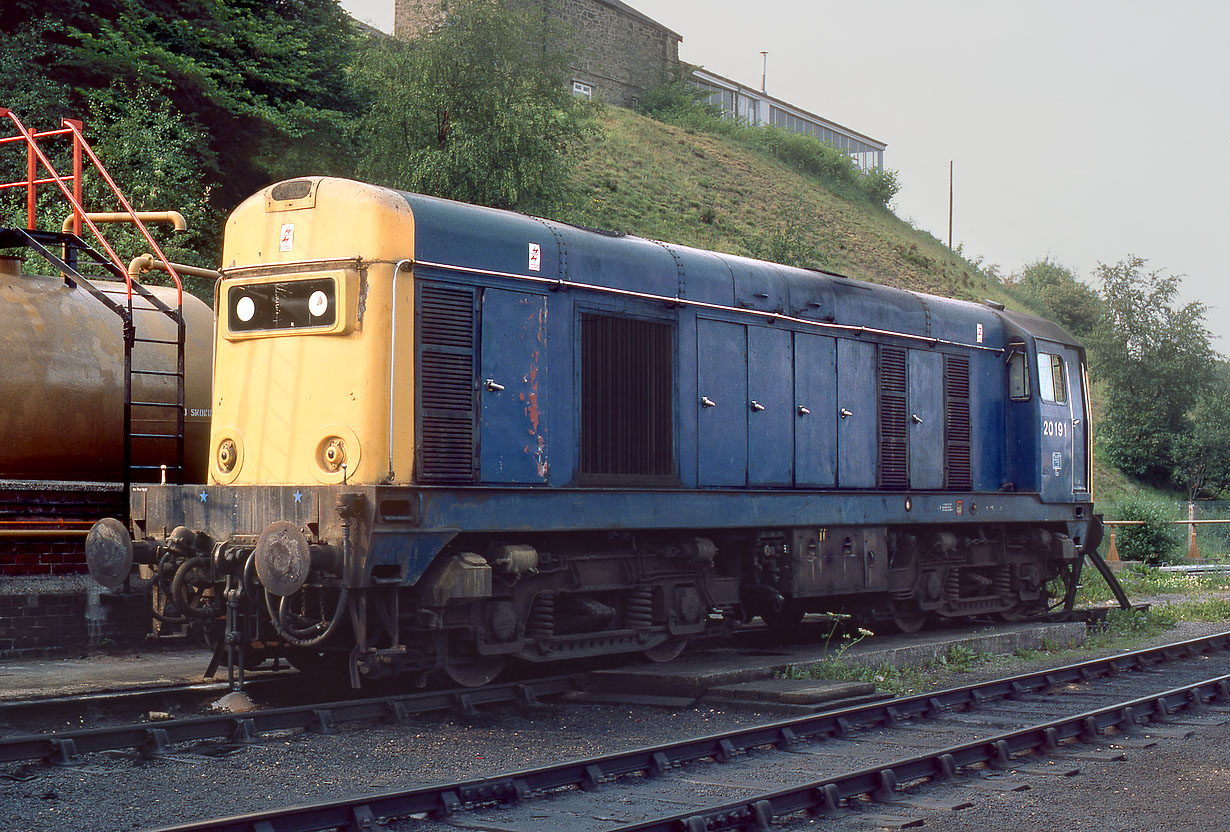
142,441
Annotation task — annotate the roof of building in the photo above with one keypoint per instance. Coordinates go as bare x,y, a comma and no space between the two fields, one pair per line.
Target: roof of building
745,89
626,9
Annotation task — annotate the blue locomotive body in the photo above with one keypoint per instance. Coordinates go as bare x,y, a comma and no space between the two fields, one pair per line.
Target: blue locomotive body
613,444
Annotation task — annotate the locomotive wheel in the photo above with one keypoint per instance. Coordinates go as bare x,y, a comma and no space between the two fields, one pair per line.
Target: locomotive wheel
473,671
907,617
667,651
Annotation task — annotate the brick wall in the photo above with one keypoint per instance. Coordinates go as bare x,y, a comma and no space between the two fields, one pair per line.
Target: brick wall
42,557
619,54
48,604
51,616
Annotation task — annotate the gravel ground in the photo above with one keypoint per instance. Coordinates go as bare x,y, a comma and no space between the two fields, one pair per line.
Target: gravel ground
1179,785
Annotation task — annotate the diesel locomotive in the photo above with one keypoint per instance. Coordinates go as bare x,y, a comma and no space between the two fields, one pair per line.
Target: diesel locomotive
447,436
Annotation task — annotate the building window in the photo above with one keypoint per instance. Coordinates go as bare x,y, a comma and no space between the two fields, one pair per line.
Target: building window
627,394
582,89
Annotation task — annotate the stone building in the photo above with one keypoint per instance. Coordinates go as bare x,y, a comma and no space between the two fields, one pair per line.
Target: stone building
620,52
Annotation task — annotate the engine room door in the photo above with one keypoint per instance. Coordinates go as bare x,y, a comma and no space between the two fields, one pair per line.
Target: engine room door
815,397
926,420
770,386
722,411
513,388
857,418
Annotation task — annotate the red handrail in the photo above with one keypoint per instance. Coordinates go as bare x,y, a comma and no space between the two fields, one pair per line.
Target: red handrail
25,183
41,135
84,145
74,128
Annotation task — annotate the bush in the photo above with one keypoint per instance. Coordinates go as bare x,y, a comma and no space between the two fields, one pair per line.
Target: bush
678,99
882,185
1154,542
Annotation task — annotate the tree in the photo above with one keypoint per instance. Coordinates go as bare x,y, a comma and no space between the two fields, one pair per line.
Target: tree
1064,298
473,109
1203,452
1156,357
256,81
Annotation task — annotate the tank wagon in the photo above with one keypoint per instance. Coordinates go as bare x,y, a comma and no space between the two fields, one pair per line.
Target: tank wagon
64,380
446,436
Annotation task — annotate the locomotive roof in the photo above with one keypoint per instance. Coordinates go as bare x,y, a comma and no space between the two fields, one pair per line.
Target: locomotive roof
1040,327
459,234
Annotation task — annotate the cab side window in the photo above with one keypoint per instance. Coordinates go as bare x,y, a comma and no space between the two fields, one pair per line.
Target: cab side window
1018,373
1052,378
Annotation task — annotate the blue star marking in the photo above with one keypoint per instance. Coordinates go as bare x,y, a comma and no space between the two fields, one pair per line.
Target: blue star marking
298,496
204,496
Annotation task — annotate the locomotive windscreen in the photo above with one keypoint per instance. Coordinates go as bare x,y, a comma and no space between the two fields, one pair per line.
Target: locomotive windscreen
288,304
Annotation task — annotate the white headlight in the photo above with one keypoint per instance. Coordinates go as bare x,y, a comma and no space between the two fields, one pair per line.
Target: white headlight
318,303
245,308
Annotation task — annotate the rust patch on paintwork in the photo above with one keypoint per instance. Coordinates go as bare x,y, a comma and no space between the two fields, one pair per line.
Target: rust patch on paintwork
537,446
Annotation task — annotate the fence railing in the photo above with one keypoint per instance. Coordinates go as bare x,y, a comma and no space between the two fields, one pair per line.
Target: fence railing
1207,531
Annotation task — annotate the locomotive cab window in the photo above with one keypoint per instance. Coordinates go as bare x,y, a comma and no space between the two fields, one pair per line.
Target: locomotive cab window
1052,379
282,305
627,384
1018,372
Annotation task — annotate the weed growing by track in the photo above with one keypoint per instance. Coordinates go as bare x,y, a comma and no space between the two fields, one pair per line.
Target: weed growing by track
893,679
1141,581
1123,629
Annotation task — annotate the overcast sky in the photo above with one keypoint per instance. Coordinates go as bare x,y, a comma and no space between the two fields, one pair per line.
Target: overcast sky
1082,130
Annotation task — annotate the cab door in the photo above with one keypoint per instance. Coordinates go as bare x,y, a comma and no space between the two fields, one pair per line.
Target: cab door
1055,411
1078,395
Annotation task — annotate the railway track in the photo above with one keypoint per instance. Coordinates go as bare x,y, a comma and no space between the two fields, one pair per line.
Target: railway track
859,761
159,737
46,714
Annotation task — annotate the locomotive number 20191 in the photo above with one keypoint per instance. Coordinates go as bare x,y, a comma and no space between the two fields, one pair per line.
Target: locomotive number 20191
1054,427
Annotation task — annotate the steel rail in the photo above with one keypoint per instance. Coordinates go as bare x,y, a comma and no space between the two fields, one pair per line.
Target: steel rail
362,812
882,783
156,737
